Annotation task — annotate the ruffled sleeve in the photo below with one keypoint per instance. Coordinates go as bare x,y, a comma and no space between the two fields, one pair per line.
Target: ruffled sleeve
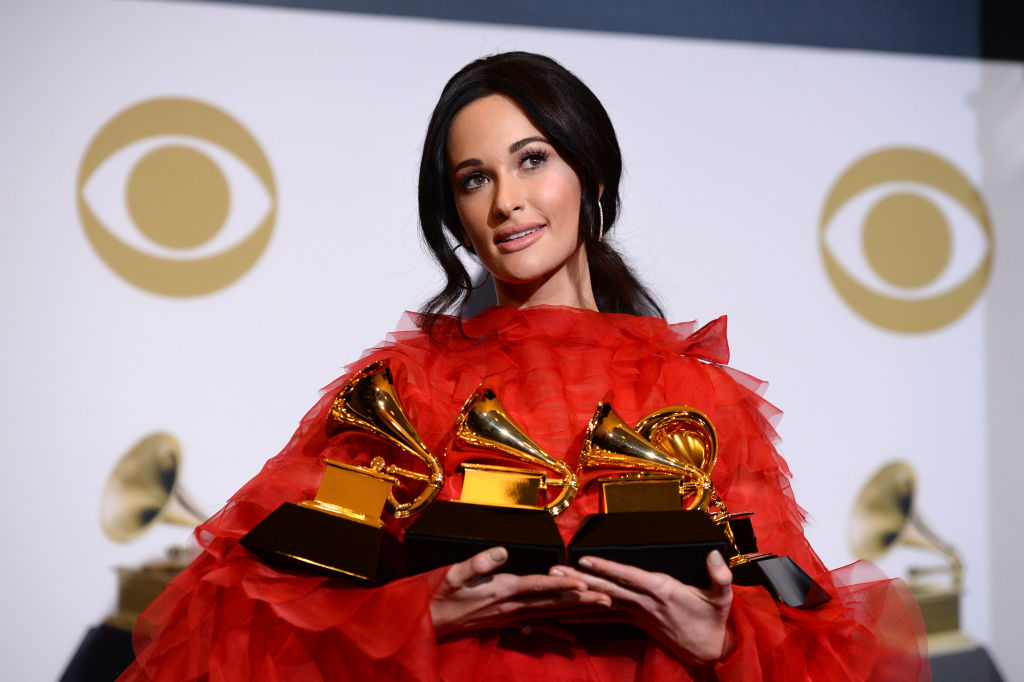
229,616
871,629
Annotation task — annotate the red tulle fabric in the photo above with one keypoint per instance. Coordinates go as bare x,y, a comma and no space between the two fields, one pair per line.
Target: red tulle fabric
230,617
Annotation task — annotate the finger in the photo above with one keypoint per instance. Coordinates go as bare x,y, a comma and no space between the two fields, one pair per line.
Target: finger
594,584
484,563
614,591
721,577
592,580
544,606
637,579
525,585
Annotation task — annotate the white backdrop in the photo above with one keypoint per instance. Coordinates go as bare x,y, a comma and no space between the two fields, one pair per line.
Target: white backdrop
730,151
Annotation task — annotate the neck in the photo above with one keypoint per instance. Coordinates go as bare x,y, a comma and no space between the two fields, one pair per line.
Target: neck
569,286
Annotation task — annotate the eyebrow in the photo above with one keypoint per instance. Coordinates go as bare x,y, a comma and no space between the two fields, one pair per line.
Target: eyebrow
512,149
516,146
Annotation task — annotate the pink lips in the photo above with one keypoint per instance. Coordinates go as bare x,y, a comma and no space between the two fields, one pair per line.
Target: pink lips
514,243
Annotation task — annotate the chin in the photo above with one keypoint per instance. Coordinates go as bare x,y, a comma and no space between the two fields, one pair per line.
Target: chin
523,276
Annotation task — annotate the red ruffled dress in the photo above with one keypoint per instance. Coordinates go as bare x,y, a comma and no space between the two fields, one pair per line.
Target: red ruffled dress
231,617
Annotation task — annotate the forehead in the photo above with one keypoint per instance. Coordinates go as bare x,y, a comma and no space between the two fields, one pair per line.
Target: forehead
488,125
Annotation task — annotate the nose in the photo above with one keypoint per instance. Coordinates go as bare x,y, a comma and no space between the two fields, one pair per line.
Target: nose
507,198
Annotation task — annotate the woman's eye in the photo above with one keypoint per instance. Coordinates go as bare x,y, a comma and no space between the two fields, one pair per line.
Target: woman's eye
534,160
473,181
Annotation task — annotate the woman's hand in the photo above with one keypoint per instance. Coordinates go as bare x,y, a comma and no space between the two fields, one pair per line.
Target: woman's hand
472,596
690,621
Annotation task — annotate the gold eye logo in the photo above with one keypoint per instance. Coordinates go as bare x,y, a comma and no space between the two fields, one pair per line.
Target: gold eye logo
190,175
910,264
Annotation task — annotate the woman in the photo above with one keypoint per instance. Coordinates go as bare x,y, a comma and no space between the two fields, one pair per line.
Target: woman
521,167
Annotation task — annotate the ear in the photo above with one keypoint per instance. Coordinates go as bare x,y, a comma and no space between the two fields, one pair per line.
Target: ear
466,243
463,237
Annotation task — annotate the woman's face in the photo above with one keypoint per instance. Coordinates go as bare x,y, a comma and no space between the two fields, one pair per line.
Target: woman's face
519,203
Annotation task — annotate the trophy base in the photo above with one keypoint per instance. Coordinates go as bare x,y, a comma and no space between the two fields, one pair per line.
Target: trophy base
301,537
449,532
743,531
940,608
784,579
674,542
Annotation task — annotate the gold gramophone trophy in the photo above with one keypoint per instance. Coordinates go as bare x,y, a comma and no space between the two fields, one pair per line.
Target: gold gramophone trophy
884,517
143,490
668,515
340,531
688,435
652,509
500,504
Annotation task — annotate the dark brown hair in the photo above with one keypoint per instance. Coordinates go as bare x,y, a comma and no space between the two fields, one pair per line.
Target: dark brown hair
577,126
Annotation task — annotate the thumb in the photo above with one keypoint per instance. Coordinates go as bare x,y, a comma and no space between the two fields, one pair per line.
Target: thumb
476,566
721,577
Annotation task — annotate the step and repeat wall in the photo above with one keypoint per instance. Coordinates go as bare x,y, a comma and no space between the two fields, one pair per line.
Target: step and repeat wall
209,210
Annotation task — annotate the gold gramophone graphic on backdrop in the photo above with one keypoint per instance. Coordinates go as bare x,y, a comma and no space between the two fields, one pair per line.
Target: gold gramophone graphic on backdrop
500,504
145,489
663,512
884,517
340,531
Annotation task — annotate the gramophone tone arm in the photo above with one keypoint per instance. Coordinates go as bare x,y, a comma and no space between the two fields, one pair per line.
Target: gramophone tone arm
396,470
569,484
700,484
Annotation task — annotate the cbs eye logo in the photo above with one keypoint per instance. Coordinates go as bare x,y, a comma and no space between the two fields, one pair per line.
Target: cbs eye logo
906,240
168,193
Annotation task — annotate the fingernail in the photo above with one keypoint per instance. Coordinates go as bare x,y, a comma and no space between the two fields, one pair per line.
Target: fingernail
586,563
607,603
558,572
499,554
715,558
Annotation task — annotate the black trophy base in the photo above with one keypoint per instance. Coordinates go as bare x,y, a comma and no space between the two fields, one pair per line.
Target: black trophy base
300,537
784,579
672,542
449,532
743,532
973,664
102,656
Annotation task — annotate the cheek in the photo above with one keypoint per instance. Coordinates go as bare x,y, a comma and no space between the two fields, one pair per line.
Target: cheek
561,197
472,216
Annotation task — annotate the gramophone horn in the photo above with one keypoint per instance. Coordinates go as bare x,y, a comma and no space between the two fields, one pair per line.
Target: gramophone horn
684,433
610,443
884,516
368,402
144,489
484,423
